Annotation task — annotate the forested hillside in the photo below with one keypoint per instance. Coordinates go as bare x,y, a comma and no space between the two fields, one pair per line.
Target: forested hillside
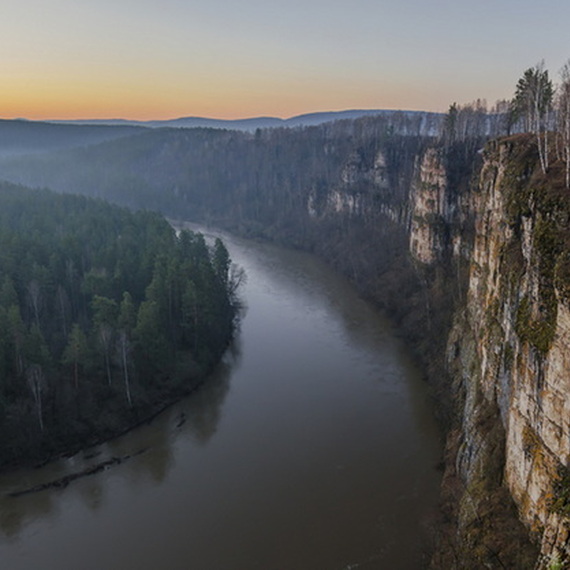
199,173
304,187
105,316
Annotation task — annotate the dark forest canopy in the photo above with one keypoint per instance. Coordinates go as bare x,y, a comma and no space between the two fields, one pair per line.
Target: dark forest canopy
105,315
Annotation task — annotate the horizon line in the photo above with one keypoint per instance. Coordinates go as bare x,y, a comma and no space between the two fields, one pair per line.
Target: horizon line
209,118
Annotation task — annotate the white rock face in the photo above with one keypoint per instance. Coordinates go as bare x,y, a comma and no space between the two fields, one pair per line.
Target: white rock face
380,172
428,206
513,394
351,195
530,388
343,202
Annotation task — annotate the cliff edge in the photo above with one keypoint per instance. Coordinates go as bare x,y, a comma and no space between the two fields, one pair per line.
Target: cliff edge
507,356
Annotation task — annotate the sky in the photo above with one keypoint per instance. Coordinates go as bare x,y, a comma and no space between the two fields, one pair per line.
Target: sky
160,59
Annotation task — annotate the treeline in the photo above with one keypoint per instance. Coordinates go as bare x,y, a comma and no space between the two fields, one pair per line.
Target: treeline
105,316
231,176
539,106
543,108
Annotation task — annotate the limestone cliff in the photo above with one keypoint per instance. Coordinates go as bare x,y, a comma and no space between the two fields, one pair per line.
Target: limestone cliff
429,208
362,188
485,305
508,355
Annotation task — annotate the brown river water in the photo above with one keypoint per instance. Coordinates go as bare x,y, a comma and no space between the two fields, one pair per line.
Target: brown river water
312,447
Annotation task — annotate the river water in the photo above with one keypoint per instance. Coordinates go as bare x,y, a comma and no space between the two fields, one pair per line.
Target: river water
312,447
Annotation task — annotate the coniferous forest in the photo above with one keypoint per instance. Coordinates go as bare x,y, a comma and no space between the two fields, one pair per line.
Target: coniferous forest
105,317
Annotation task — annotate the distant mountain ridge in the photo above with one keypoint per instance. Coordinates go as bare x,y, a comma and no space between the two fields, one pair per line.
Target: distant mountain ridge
249,124
20,136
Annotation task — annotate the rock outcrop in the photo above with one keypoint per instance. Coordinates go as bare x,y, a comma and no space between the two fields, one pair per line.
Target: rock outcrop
487,233
508,356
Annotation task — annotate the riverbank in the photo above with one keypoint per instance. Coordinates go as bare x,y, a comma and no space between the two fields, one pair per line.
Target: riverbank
317,431
115,422
106,316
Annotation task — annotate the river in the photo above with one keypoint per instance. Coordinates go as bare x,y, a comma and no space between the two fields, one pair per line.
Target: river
312,447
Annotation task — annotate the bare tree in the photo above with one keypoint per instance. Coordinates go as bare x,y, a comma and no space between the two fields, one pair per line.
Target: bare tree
17,332
75,352
36,381
124,347
501,118
533,105
563,117
105,340
237,278
63,306
35,296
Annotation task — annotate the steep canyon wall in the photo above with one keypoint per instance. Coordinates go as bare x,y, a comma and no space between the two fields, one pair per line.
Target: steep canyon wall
507,354
465,245
485,304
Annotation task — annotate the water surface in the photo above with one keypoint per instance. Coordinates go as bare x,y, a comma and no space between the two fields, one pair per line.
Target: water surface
312,447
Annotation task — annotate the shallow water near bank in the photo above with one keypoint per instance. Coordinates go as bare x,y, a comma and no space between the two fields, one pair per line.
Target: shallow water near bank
311,447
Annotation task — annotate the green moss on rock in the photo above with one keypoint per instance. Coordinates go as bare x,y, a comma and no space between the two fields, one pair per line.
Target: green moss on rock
560,503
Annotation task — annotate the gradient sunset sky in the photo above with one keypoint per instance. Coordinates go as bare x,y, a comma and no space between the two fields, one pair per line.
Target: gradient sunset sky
143,59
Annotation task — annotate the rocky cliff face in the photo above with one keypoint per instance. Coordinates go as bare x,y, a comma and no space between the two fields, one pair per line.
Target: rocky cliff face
508,355
485,302
429,209
360,191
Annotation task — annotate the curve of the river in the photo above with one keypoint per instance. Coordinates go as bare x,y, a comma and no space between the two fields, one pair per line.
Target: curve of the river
311,448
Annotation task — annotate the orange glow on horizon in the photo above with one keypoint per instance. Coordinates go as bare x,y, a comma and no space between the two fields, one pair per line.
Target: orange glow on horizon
226,107
149,60
135,97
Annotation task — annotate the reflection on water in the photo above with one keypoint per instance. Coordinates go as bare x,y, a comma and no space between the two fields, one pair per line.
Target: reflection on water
310,447
197,417
203,411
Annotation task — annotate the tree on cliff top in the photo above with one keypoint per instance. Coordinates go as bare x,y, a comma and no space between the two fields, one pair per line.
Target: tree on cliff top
532,105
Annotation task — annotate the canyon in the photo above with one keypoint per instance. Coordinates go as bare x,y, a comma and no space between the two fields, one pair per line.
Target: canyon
463,244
